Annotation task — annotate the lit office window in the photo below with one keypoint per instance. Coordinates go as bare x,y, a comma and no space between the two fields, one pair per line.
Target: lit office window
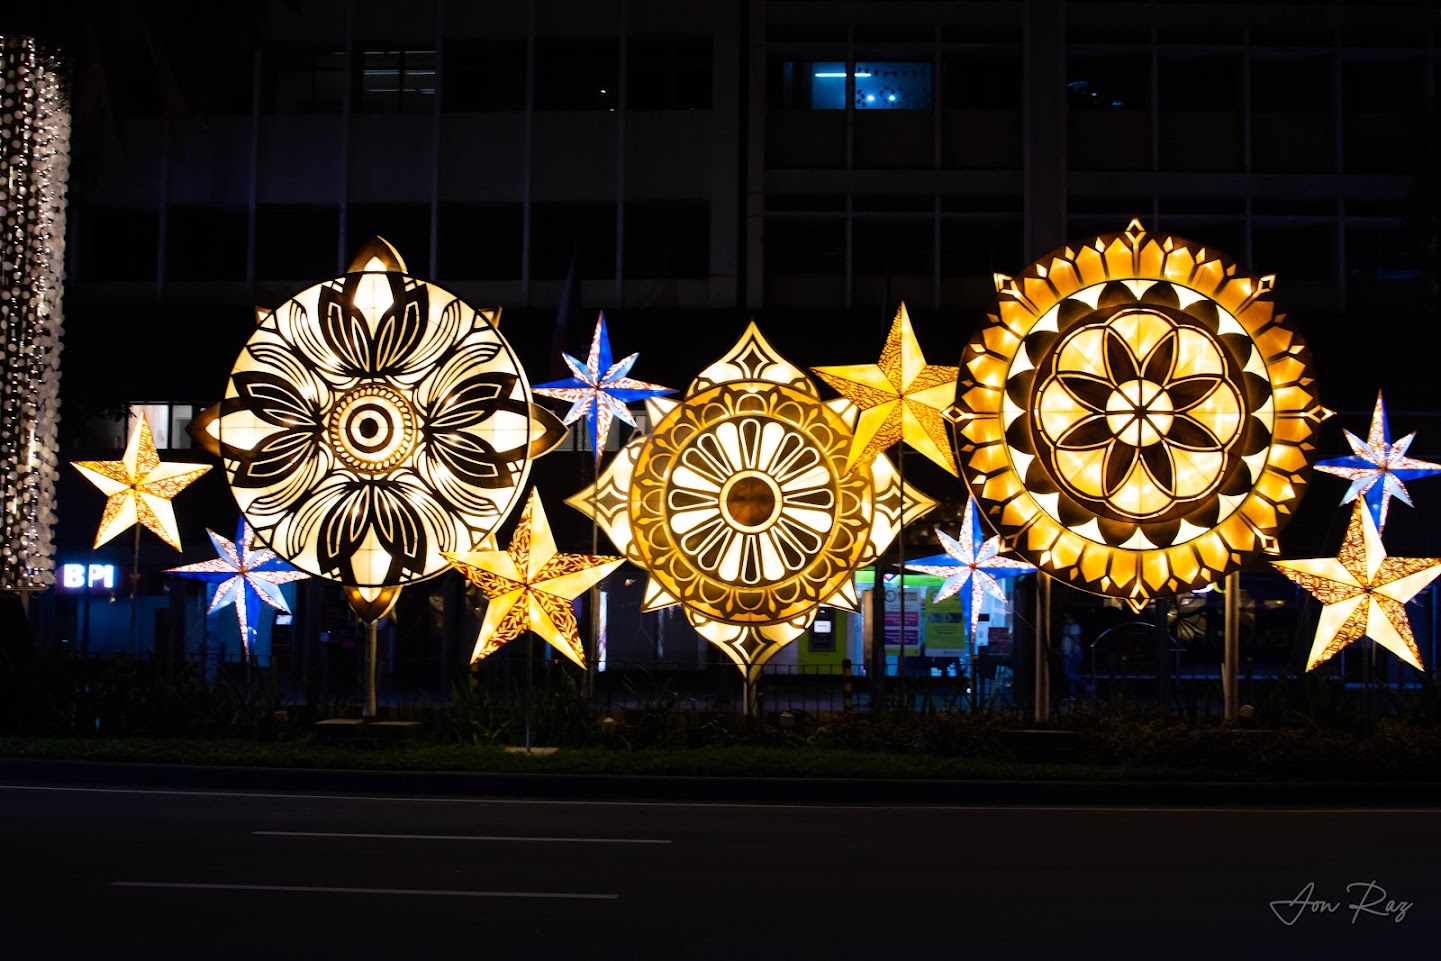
167,423
397,81
879,85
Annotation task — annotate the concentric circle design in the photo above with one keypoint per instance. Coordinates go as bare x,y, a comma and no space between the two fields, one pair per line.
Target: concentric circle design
1138,417
739,506
759,516
372,428
374,422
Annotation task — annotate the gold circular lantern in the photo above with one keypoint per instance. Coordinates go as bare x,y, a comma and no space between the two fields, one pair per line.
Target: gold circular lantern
739,506
374,422
1137,418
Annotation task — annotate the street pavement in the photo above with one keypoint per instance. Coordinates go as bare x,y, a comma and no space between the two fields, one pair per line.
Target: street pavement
120,872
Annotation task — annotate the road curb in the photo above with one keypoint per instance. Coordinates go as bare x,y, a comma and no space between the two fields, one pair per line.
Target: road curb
718,789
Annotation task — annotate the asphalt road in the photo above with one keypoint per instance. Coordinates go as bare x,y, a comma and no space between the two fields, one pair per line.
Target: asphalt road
104,872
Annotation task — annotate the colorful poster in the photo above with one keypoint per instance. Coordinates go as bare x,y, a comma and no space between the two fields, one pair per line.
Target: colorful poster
946,628
913,604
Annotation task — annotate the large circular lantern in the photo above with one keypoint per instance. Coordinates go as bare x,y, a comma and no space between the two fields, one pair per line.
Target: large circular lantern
374,422
1137,416
739,504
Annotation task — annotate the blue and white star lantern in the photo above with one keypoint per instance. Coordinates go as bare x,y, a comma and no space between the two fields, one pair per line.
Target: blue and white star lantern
246,577
970,558
1379,469
600,389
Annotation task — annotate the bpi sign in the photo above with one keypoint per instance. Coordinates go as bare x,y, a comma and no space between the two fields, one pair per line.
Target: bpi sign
84,577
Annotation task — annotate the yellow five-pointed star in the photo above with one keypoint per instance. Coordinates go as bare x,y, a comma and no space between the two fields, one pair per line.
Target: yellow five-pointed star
1363,591
139,487
901,398
531,587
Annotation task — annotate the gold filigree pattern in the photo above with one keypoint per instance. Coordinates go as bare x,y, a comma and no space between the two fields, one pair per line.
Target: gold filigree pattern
900,397
740,506
139,487
1363,592
1136,417
531,586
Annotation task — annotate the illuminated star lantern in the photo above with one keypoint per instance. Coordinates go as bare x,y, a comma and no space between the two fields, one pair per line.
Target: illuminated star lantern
139,487
1137,418
740,507
901,399
247,577
1379,469
531,586
600,389
374,422
1363,592
970,558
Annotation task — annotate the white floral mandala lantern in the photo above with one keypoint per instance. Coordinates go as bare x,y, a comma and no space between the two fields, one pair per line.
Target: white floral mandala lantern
373,423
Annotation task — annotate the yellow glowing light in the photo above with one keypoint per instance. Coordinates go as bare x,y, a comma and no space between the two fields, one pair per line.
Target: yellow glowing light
373,423
139,487
741,507
531,586
901,398
1136,416
1363,592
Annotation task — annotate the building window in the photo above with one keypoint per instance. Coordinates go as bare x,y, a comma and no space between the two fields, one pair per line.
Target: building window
562,233
577,75
892,85
167,423
805,246
479,241
117,244
879,85
305,81
667,240
205,243
484,78
669,75
405,226
296,242
397,81
982,80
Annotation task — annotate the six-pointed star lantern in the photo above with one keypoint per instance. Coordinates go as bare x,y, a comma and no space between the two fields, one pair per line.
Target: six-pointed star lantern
139,487
531,586
740,506
901,398
972,559
1378,469
246,576
601,389
1363,592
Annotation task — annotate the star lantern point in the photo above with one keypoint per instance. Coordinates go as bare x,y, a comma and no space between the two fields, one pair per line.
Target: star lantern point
530,586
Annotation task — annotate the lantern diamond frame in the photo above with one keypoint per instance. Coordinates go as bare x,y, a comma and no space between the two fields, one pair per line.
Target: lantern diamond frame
740,506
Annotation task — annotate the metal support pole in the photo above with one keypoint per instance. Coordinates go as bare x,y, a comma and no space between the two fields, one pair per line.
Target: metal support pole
134,592
369,668
1231,660
1042,710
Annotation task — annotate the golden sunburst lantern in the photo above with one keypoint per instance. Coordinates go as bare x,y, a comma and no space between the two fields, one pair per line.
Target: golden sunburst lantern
373,423
531,586
1136,416
1363,592
139,487
740,506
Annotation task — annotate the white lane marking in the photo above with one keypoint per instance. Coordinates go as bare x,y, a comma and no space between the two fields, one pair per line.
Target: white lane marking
307,889
458,837
999,807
